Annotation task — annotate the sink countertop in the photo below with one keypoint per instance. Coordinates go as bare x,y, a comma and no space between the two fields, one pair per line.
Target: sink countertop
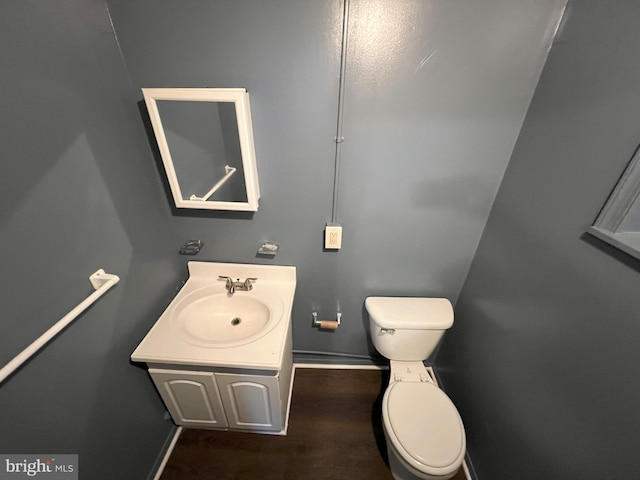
163,345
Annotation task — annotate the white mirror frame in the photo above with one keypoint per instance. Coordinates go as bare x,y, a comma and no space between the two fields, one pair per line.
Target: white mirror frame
619,221
240,98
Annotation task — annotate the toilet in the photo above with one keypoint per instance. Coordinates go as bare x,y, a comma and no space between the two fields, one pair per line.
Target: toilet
424,432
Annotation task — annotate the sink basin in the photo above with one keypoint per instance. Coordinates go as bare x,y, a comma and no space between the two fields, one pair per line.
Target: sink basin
204,325
222,318
207,318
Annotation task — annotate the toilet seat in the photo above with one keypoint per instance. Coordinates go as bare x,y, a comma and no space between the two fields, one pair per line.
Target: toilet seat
424,427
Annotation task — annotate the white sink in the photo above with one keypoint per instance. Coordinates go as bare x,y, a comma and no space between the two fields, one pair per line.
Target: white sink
208,318
205,325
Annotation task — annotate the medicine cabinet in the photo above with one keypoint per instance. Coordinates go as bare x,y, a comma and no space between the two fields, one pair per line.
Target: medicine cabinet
205,140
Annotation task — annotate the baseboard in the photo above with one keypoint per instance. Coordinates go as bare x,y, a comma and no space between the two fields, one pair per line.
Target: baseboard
167,452
337,366
332,358
465,469
467,465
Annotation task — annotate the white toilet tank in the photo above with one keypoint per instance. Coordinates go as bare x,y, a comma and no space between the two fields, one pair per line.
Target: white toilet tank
408,328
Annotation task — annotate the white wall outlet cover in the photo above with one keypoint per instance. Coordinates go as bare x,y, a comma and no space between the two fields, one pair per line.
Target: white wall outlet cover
333,237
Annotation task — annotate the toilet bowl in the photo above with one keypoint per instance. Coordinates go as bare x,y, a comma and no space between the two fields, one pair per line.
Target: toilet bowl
424,433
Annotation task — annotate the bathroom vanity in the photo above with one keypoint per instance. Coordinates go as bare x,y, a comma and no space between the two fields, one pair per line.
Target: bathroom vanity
221,357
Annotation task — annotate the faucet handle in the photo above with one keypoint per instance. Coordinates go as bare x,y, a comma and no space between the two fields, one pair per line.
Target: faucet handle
248,282
229,285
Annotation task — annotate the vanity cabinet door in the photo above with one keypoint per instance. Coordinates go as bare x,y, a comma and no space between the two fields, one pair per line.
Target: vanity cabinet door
251,402
191,397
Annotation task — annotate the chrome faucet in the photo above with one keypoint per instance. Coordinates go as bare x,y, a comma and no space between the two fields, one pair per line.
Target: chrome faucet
232,285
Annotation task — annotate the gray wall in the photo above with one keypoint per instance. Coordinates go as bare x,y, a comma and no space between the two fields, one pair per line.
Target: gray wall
543,360
435,95
78,193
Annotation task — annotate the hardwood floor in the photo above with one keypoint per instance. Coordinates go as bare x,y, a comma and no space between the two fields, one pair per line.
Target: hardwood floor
335,432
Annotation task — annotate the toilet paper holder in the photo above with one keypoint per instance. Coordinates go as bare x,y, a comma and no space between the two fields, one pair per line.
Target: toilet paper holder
327,324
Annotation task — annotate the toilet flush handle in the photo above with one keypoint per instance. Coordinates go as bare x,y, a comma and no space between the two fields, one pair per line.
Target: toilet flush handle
389,331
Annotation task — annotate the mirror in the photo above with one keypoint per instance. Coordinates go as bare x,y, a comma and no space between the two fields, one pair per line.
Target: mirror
205,139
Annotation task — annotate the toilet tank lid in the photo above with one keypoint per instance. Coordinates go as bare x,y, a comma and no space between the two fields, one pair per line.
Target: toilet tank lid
410,312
